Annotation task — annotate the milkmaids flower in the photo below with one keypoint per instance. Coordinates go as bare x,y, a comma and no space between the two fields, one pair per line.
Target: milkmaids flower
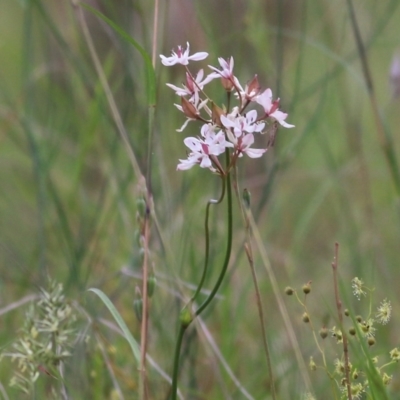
227,68
251,90
203,151
221,131
243,146
229,81
240,132
192,86
182,57
271,108
240,124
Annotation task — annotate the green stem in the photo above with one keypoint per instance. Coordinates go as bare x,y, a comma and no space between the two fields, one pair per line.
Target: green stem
229,243
186,320
178,346
207,244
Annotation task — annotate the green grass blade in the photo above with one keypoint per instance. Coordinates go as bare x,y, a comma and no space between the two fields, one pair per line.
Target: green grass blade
121,323
150,74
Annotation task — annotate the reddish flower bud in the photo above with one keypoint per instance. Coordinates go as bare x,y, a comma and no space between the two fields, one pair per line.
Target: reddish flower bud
189,109
216,114
253,88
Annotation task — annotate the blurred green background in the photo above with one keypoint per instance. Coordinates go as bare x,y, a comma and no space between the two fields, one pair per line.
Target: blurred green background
68,191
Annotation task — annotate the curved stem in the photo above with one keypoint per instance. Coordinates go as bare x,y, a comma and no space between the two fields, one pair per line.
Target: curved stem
229,242
186,318
207,234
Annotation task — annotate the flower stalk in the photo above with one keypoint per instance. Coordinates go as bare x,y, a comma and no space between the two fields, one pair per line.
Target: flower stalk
224,130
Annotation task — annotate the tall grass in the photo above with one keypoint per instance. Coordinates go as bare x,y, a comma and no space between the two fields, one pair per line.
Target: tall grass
71,179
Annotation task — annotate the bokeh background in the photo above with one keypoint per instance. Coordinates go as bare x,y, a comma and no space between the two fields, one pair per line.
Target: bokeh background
68,190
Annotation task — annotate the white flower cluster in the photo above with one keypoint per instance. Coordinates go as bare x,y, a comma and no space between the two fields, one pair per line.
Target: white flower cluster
222,129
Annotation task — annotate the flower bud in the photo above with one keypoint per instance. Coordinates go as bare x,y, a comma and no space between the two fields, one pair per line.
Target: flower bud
386,379
323,332
289,291
216,113
141,255
352,331
246,198
306,288
189,109
151,284
305,317
227,84
138,308
141,207
253,88
346,312
185,317
371,341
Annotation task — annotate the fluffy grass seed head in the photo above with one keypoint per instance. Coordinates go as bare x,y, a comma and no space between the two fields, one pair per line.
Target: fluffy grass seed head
339,367
337,334
357,391
358,287
384,312
395,354
386,379
312,365
44,340
367,328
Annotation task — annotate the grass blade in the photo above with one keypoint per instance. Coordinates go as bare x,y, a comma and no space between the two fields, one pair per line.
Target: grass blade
121,323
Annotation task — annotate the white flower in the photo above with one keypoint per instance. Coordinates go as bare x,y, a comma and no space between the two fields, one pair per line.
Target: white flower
243,146
227,68
271,108
201,150
240,124
251,90
192,86
182,57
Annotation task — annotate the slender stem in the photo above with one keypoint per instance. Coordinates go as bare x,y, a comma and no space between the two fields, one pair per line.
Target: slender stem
261,316
186,317
178,346
207,237
340,315
145,311
229,242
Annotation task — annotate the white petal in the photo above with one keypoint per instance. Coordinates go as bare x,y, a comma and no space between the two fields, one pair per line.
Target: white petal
201,55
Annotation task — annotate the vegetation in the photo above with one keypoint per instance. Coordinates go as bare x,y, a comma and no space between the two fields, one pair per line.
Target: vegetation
98,225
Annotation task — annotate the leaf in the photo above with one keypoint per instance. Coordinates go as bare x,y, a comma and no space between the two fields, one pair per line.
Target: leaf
117,316
150,74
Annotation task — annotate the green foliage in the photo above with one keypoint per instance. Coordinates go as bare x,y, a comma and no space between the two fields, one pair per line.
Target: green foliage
69,192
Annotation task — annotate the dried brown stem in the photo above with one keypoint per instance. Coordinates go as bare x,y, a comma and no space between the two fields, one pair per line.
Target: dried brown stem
145,309
340,315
